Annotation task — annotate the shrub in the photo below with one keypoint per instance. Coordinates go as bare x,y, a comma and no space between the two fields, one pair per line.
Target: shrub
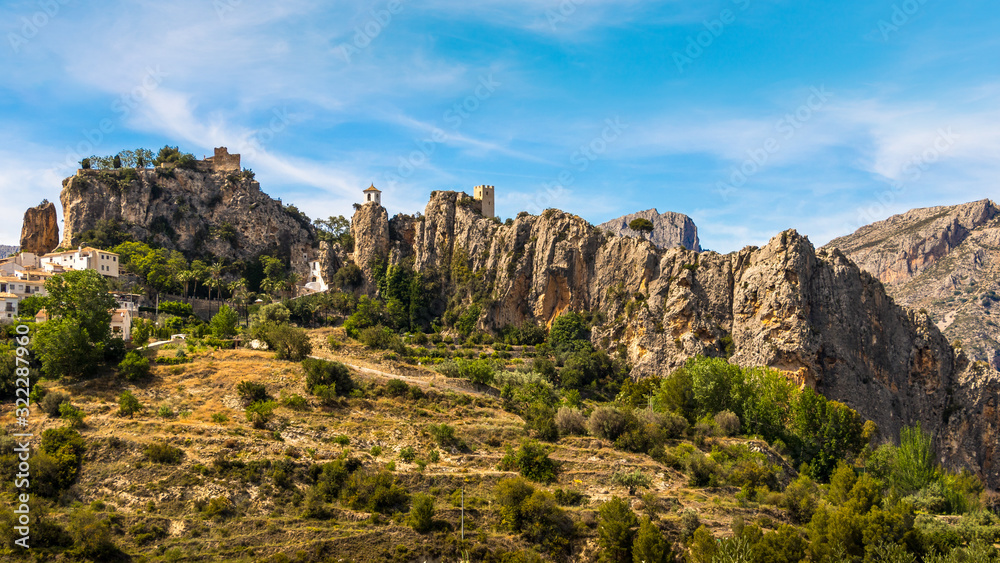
380,338
534,514
702,471
570,421
71,414
52,401
260,413
64,449
289,343
161,452
134,366
407,454
334,344
631,479
397,388
532,461
128,404
649,545
421,516
91,535
218,507
251,392
607,423
332,374
165,412
444,435
219,418
539,421
295,402
616,529
727,423
374,492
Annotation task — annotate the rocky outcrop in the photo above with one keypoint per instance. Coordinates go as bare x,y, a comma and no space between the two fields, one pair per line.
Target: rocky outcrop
7,250
197,212
669,229
40,230
944,260
814,315
370,229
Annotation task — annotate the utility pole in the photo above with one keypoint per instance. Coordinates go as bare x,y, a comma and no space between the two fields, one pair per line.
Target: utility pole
463,514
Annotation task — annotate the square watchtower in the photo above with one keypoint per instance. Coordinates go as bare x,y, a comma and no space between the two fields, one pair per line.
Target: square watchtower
485,195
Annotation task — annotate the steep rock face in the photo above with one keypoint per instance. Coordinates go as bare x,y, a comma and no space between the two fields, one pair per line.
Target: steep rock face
669,229
6,250
40,230
196,212
370,229
816,316
944,260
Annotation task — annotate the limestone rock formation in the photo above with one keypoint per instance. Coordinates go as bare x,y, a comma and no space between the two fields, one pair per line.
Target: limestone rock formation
194,211
7,250
370,229
669,229
40,230
943,260
814,315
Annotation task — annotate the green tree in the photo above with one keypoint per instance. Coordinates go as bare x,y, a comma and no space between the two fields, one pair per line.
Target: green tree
421,516
82,295
128,404
567,330
914,466
134,366
615,530
641,225
66,349
224,322
29,306
649,545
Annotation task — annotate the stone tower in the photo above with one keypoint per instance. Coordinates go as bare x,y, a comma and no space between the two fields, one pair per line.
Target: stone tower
485,195
373,194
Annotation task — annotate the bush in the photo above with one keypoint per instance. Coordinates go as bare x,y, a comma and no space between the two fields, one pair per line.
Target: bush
380,338
374,492
325,373
421,516
91,535
727,423
649,545
71,414
702,471
397,388
616,529
251,392
52,401
289,343
532,461
539,421
607,423
134,366
631,479
260,413
128,404
570,421
295,402
63,448
534,514
161,452
444,435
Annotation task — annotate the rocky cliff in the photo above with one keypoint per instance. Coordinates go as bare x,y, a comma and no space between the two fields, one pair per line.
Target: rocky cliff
199,212
814,315
944,260
669,229
6,250
40,229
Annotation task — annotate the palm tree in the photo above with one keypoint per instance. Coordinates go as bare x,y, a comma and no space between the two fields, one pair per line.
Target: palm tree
292,283
185,277
215,271
238,289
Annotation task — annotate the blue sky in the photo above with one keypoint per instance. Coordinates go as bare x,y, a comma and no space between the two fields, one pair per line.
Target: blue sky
751,116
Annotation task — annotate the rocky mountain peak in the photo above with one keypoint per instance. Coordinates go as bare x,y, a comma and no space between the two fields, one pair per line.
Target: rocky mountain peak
669,229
